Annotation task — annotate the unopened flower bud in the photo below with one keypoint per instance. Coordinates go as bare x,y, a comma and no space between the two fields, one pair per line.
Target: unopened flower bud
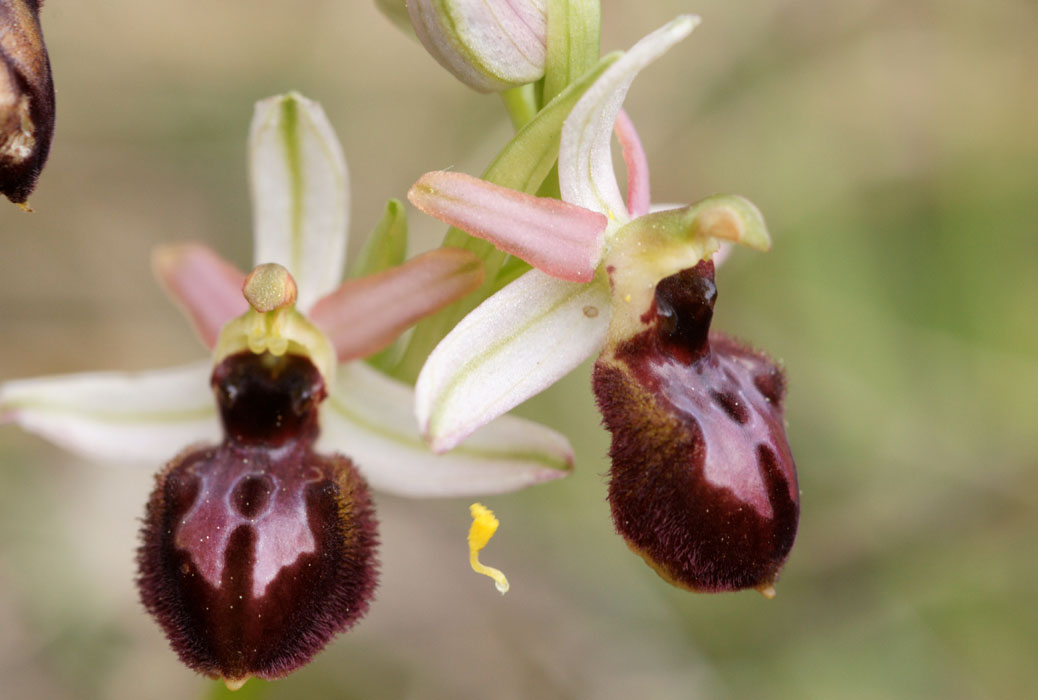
257,551
26,98
703,483
489,45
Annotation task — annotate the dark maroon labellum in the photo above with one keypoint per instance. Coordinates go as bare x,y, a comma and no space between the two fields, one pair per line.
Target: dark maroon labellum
257,551
703,483
26,99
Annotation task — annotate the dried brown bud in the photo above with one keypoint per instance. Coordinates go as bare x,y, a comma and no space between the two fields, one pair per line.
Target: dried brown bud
26,98
703,483
257,551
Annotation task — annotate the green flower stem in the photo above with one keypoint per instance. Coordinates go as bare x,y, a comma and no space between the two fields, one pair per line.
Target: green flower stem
574,42
521,103
522,165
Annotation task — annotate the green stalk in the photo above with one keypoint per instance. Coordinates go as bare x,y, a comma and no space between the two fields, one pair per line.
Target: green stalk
574,42
521,103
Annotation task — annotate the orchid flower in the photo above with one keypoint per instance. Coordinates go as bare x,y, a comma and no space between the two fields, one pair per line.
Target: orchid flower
703,484
262,512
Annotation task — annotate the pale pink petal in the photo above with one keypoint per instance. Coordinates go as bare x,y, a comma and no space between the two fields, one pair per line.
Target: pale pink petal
512,346
300,198
206,287
365,315
637,165
586,175
559,238
146,417
370,417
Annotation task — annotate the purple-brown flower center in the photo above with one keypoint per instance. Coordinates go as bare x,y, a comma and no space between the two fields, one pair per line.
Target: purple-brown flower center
703,483
257,551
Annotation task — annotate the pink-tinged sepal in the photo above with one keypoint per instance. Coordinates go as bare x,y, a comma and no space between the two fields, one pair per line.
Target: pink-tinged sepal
560,239
257,551
206,287
366,314
703,483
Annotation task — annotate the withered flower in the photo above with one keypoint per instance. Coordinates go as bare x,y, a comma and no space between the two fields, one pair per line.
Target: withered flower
703,483
26,99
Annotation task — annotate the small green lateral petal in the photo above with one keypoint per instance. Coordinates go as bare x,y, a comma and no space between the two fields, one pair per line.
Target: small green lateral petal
386,247
146,417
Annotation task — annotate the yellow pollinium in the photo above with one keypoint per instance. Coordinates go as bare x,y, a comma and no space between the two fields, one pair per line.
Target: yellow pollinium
484,525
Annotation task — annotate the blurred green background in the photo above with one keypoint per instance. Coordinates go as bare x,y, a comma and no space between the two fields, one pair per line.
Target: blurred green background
894,151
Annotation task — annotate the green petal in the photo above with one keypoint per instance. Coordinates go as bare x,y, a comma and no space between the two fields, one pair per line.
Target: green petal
386,247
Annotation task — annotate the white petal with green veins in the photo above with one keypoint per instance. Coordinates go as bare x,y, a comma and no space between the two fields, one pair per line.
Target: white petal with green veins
512,346
300,197
117,416
369,417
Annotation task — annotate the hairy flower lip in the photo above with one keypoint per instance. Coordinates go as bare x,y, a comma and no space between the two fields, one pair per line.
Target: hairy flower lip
703,483
255,555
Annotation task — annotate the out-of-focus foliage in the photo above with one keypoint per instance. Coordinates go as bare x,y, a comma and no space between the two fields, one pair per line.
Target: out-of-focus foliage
890,145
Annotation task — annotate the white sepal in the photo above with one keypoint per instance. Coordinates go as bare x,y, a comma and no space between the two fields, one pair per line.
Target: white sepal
300,193
586,174
146,417
511,347
369,417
